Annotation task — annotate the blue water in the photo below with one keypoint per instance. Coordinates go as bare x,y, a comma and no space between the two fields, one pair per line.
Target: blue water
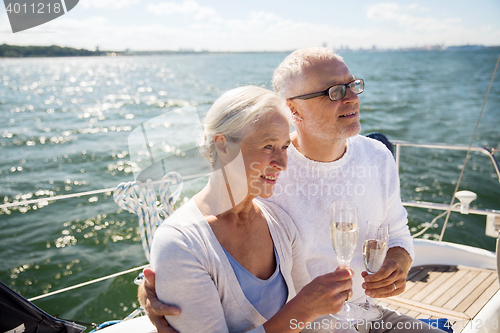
66,124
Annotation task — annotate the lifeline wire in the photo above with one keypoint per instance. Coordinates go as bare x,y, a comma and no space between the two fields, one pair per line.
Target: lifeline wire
87,283
72,195
468,151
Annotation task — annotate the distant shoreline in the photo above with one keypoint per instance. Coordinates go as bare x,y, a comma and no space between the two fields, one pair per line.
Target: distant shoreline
15,51
33,51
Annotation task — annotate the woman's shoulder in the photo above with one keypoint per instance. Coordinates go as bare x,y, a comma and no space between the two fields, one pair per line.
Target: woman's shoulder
185,225
184,234
184,216
271,207
279,216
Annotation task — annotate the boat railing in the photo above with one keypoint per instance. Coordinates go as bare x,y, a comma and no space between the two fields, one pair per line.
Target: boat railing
107,191
487,151
493,216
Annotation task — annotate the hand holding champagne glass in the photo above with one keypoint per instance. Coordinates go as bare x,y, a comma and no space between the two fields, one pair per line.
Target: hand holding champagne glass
374,252
344,231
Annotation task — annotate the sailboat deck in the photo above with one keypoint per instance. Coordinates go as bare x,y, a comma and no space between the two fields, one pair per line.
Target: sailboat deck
457,293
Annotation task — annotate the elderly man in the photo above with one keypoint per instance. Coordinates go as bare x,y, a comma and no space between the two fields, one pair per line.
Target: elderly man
329,161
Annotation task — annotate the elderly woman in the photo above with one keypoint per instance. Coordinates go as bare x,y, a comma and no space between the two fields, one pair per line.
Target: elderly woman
229,261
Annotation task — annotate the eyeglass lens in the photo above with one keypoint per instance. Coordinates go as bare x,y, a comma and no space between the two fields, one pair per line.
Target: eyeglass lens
338,92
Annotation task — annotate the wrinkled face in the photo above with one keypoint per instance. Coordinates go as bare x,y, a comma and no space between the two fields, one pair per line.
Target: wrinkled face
264,153
320,117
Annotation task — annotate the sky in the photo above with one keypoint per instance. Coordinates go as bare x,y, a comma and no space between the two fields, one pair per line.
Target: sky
264,25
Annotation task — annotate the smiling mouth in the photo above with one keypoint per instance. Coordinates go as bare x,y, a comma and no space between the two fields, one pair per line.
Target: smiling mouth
353,113
269,177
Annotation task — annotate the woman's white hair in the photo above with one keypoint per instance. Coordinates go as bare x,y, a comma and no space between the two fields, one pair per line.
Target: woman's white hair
234,113
288,78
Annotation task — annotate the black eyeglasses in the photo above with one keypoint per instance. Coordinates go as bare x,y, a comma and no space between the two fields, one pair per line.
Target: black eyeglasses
338,91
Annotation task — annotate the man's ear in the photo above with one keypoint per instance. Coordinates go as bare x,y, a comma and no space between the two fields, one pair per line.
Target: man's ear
296,117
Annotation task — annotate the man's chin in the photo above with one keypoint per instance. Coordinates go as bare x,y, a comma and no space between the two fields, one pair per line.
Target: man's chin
351,131
356,129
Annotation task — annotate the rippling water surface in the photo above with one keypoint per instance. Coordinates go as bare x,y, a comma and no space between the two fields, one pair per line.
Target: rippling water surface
66,124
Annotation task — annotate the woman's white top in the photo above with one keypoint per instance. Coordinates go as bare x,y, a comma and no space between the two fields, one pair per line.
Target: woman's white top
194,274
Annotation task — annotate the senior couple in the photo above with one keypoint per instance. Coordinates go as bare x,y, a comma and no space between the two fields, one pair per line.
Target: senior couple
251,252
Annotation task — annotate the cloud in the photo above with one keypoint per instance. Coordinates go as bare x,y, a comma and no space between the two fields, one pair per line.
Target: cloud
453,20
408,16
111,4
188,24
256,31
416,6
384,11
188,8
414,25
259,30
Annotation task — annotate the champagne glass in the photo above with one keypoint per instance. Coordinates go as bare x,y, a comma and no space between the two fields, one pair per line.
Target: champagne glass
344,231
374,252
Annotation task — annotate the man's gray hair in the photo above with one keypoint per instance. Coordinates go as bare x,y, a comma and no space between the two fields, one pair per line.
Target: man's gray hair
234,113
288,78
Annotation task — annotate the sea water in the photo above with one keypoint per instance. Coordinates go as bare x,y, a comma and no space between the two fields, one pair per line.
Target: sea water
66,124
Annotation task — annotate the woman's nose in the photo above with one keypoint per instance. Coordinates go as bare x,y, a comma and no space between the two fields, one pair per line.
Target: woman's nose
280,161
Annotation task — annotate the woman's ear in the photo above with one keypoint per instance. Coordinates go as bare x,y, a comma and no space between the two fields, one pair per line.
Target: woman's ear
226,150
221,146
296,117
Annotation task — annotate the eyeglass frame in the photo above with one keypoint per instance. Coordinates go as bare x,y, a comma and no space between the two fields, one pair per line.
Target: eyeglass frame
326,92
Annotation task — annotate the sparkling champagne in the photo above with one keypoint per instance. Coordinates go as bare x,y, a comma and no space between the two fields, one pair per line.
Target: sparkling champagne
345,240
374,251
